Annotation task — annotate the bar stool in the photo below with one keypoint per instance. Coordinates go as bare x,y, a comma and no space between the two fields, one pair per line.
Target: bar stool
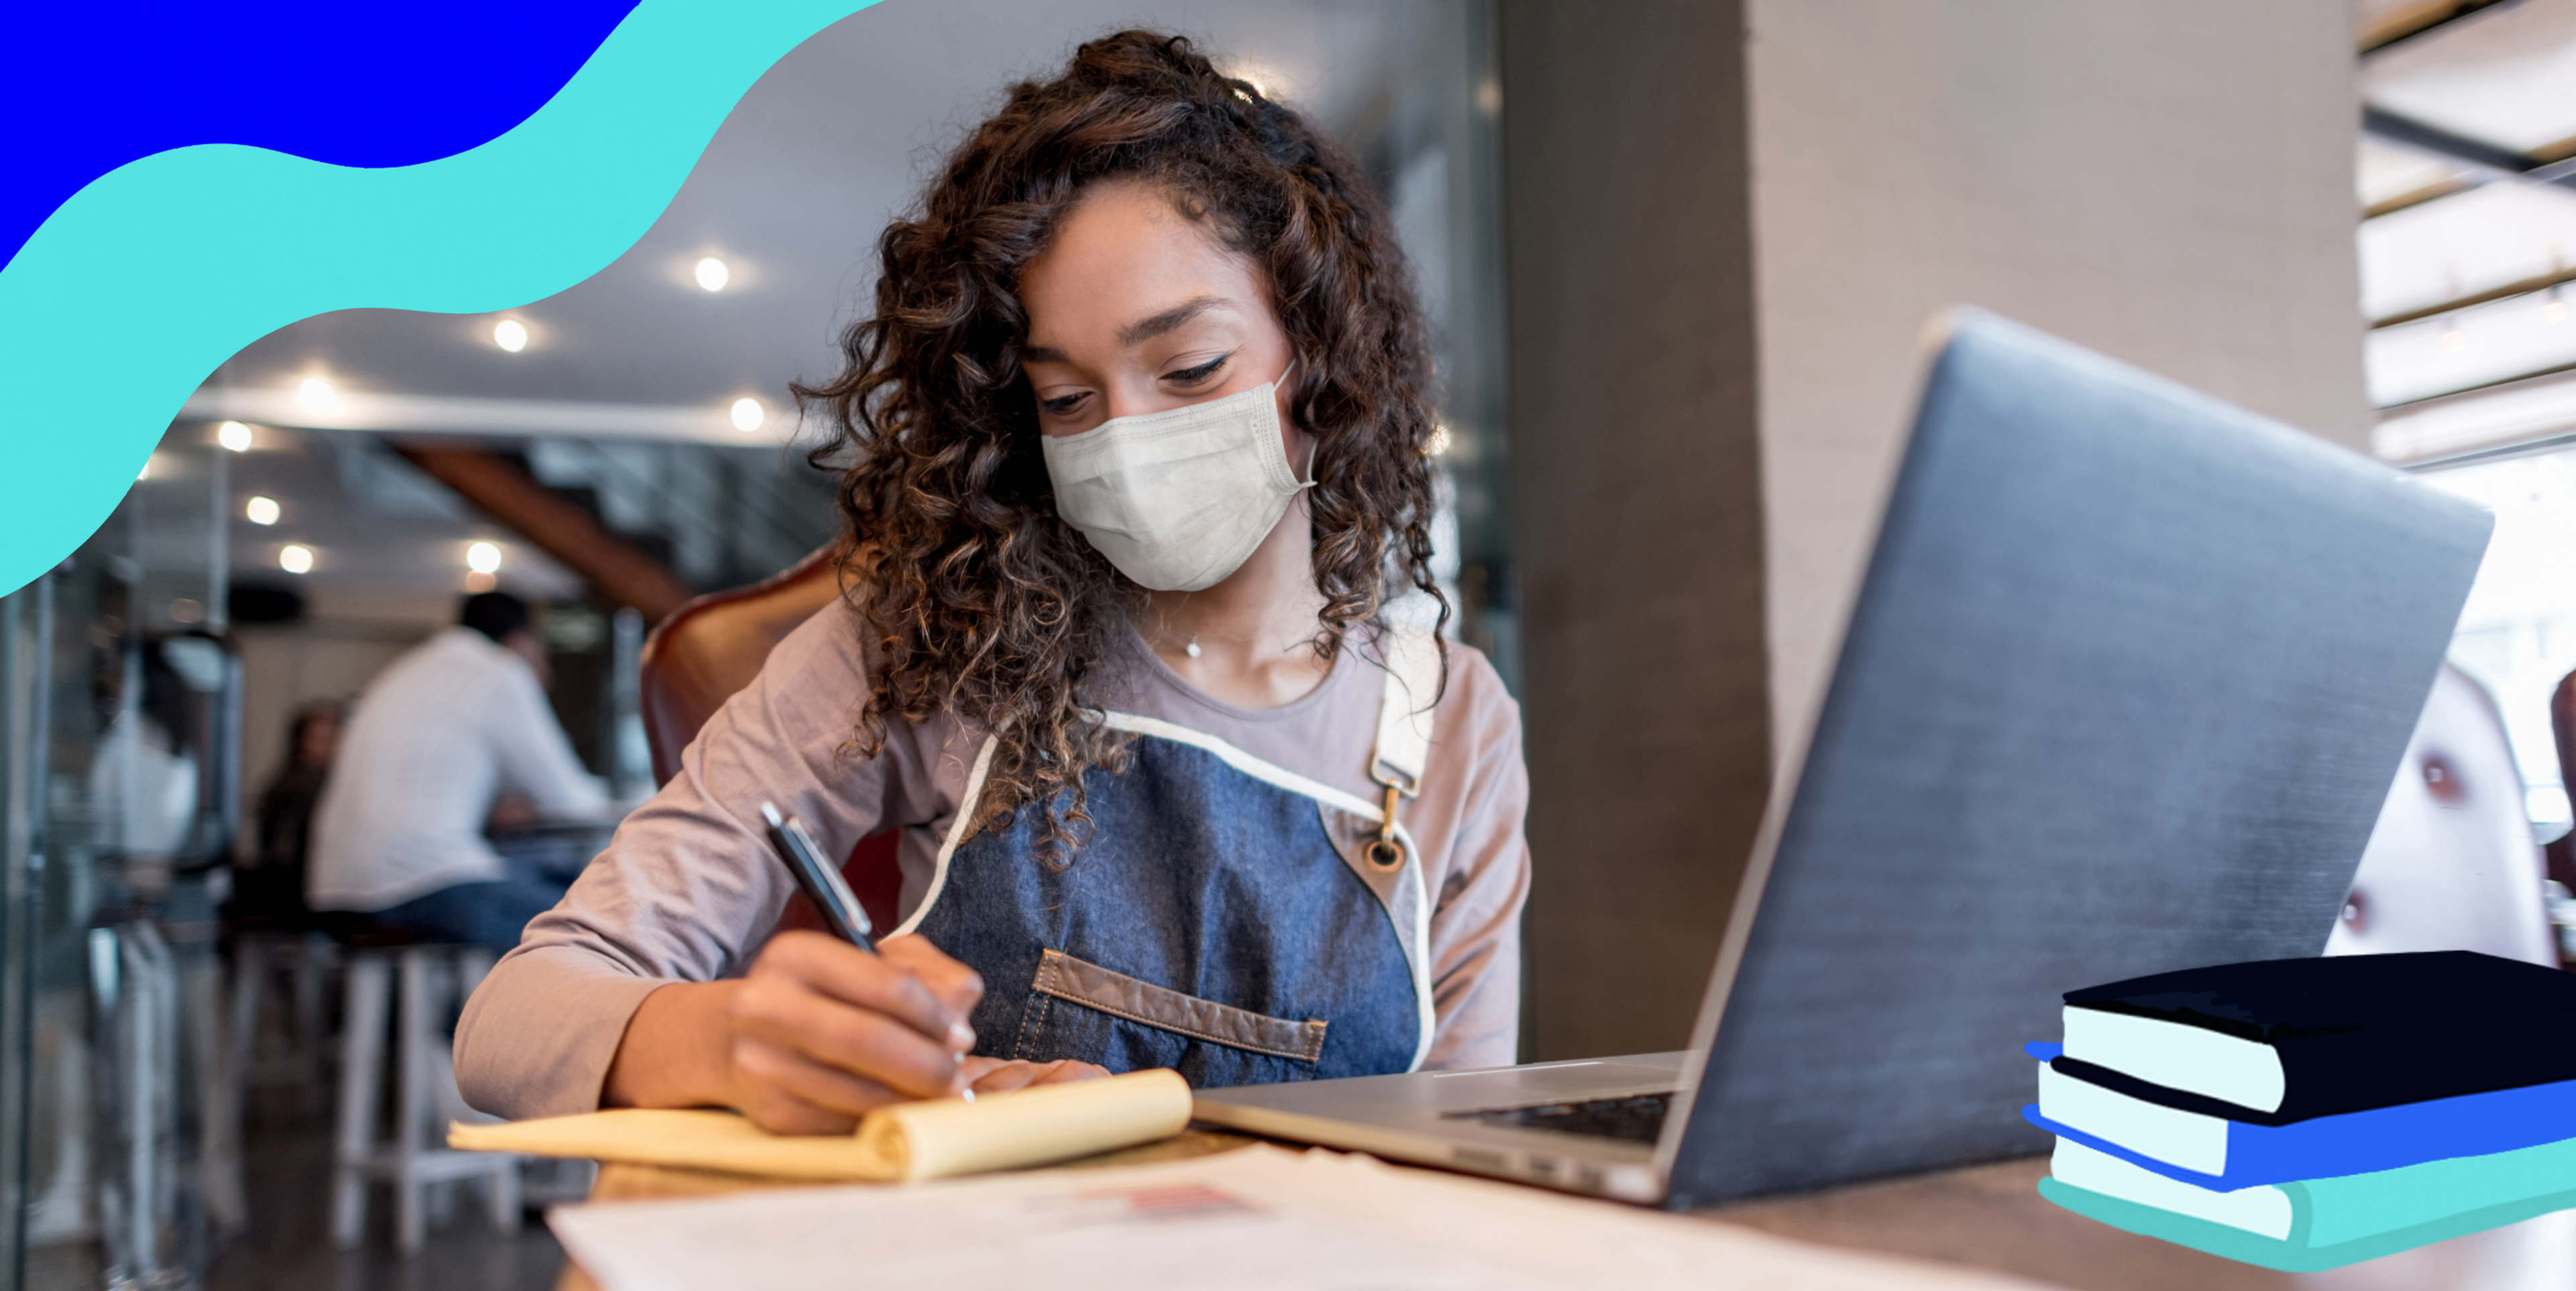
261,955
412,978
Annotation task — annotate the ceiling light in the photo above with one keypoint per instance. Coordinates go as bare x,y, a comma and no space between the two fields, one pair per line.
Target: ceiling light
233,435
510,334
1439,443
2455,339
748,414
260,510
483,558
2556,310
316,393
145,473
712,274
295,558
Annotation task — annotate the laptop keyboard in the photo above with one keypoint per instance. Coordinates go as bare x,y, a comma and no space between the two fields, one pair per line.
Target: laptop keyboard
1635,1120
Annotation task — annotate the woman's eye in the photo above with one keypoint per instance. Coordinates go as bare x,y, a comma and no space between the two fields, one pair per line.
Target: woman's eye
1064,403
1193,376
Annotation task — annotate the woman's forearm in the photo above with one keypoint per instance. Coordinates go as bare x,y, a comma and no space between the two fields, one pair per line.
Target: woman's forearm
674,1051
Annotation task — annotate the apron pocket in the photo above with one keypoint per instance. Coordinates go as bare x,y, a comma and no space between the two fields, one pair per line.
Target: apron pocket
1126,1024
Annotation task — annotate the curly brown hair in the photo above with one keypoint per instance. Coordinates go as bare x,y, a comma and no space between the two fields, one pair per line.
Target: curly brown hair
982,602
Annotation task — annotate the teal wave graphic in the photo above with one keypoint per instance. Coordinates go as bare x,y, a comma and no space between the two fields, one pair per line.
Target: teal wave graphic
155,273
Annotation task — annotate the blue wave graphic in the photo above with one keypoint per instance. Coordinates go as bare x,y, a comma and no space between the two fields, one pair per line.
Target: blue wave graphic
149,278
86,88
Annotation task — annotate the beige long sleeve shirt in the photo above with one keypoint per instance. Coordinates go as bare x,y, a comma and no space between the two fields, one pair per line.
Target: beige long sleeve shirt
688,890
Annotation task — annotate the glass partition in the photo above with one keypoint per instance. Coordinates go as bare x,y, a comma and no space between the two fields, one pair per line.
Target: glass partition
121,699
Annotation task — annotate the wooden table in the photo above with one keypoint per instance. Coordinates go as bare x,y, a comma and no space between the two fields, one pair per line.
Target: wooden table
1987,1216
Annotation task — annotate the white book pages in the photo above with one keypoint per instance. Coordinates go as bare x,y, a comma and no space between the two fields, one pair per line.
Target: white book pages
2177,1055
2263,1209
2186,1139
1260,1217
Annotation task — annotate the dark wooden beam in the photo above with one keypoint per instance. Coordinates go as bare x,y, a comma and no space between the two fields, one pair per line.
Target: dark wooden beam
2518,287
511,497
2405,22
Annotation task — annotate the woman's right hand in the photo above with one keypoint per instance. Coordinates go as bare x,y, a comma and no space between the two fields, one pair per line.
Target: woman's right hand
821,1031
813,1036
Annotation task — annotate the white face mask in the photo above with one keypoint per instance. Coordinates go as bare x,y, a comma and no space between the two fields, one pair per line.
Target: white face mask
1177,500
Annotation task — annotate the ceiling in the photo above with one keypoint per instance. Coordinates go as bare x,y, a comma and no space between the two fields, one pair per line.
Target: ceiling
833,141
2467,238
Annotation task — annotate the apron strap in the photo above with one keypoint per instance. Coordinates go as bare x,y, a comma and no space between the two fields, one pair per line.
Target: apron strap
1404,709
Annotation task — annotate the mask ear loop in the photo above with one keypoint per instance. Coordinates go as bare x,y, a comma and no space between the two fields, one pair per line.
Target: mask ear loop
1315,444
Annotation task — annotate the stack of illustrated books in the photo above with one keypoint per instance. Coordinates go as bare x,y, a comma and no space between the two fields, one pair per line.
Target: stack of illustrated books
2307,1113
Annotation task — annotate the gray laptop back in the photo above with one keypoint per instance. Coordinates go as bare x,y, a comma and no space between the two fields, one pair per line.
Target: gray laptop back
2125,685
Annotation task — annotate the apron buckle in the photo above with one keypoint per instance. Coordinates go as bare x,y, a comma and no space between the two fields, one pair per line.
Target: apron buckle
1384,851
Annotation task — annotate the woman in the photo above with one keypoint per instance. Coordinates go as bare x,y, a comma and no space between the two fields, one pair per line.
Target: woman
268,884
1135,461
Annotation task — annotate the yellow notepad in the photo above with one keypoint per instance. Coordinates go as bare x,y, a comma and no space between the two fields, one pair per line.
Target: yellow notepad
927,1140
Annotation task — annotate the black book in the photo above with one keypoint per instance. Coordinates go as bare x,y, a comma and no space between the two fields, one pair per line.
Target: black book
2276,1041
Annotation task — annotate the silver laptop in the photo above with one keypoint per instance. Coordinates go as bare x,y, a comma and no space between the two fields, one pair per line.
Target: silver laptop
2125,685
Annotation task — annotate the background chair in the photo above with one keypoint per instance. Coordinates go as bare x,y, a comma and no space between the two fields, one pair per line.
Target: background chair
2451,865
415,985
713,646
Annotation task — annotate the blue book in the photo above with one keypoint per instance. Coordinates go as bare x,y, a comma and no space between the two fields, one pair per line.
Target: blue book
2219,1153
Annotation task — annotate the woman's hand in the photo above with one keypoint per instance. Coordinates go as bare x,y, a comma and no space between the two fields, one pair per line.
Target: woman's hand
815,1035
823,1031
1002,1075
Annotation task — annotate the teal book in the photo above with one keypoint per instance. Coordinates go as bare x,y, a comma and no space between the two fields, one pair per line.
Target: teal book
2318,1223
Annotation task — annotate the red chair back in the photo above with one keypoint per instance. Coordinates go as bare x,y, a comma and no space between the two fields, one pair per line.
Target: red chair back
713,646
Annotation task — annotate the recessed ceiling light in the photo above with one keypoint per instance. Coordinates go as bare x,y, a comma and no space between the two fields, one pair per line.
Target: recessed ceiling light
145,473
510,334
233,435
712,274
748,414
295,558
483,558
260,510
316,393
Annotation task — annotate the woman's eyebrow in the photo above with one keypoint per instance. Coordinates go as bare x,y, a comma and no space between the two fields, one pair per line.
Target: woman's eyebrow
1149,328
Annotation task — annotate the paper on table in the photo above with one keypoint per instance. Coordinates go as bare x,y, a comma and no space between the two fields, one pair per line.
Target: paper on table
1255,1218
903,1141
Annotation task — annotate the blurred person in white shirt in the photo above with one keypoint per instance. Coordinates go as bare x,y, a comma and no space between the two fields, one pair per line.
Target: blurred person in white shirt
143,776
434,742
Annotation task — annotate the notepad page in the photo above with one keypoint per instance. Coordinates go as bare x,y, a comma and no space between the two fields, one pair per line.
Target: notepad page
901,1141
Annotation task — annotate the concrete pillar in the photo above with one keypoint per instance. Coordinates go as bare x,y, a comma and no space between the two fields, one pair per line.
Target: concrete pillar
1639,514
1726,225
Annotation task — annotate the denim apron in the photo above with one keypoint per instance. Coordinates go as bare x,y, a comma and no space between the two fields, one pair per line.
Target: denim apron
1228,918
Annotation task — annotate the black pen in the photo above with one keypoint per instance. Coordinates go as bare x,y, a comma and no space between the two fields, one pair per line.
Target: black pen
821,883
